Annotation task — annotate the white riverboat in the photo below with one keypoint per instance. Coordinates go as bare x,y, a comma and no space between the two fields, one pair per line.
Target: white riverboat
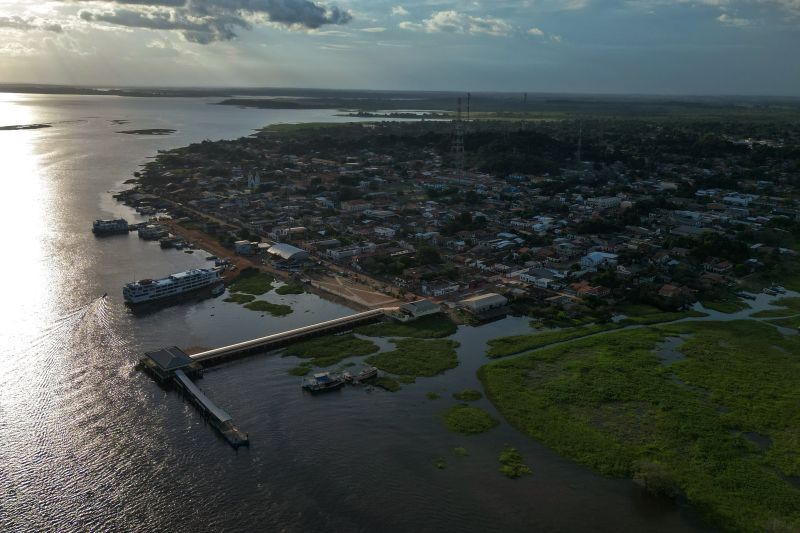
174,285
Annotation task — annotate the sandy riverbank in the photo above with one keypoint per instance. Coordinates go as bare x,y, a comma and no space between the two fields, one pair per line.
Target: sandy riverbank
335,288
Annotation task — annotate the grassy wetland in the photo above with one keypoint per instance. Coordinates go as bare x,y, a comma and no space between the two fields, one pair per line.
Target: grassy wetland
718,424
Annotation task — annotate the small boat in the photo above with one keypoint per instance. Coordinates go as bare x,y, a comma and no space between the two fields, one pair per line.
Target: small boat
323,381
770,292
367,373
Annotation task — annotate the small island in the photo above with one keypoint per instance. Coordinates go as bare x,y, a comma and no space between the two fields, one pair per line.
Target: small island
151,131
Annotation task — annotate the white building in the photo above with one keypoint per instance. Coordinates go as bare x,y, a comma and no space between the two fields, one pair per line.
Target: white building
594,260
483,303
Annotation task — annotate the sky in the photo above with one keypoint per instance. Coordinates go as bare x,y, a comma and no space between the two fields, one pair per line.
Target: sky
696,47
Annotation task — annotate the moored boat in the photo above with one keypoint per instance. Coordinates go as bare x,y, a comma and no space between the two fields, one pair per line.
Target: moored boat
110,227
174,285
323,381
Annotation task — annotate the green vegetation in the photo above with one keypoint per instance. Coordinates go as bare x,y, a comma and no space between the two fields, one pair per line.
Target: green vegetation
327,351
414,357
252,282
387,383
428,327
687,426
407,380
792,322
521,343
511,463
468,420
300,370
240,298
641,314
267,307
468,395
432,396
460,451
440,464
290,288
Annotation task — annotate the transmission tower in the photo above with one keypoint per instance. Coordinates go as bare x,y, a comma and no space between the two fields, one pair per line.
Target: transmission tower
458,143
580,142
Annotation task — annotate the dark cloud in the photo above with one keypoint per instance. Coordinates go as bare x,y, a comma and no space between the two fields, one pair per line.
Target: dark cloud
206,21
19,23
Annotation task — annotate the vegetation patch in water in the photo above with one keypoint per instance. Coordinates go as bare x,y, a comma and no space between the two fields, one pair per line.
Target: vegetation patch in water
432,396
520,343
460,451
407,380
440,464
468,420
511,463
300,370
240,298
468,395
608,402
725,304
290,288
387,383
267,307
428,327
327,351
414,357
252,282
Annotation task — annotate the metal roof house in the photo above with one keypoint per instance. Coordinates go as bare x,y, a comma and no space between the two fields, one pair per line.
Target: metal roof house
287,252
420,308
483,303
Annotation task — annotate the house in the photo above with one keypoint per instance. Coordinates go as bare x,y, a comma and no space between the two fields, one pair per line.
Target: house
244,247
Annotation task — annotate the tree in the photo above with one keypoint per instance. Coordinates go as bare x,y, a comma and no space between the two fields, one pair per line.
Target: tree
428,255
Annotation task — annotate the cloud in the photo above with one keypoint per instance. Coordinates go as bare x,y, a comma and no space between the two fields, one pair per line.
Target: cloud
399,11
455,22
535,31
207,21
733,21
29,24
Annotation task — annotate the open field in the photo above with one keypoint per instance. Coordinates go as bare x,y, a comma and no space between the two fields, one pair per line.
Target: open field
721,425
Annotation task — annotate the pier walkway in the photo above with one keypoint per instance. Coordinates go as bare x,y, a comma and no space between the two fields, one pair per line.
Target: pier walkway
218,417
279,340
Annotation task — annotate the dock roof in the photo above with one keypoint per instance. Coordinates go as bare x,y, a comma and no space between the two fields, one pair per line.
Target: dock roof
170,358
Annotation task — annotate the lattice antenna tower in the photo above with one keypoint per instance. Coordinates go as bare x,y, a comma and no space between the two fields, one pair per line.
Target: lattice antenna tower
580,141
458,142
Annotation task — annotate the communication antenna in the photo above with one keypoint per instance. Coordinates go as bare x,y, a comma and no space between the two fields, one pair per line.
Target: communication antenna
469,97
580,141
458,142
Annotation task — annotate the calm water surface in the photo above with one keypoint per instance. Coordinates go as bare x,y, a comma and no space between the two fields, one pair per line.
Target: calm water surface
87,443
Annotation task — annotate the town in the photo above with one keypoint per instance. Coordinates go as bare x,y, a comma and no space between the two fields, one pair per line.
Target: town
570,221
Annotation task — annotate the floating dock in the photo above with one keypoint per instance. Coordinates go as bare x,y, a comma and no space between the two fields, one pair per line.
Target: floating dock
172,365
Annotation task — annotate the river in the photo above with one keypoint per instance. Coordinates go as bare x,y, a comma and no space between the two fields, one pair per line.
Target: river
88,443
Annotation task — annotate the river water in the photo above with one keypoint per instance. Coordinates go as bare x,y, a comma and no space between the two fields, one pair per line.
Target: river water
87,443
